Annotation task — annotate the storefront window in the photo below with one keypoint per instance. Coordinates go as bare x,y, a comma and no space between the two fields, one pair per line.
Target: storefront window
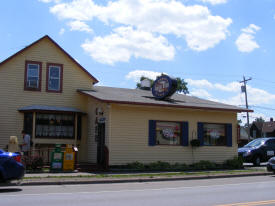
168,133
214,134
60,126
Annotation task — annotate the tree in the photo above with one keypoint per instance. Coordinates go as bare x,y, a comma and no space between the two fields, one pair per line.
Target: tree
259,119
182,85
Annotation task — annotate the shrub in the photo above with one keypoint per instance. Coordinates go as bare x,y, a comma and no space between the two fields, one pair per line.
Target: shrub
136,165
159,165
235,163
204,165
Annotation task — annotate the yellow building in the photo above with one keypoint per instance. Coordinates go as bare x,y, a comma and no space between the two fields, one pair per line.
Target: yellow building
46,92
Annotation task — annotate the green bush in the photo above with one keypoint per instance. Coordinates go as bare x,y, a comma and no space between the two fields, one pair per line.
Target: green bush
235,163
204,165
136,165
159,165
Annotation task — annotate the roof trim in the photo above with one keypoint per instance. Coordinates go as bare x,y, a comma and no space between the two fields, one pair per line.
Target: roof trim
49,38
162,105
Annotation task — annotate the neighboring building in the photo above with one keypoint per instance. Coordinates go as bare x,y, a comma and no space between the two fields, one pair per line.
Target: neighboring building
268,129
256,129
263,129
46,92
38,93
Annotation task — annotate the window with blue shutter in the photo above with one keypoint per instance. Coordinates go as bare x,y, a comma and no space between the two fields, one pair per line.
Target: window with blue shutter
184,133
200,133
152,133
229,135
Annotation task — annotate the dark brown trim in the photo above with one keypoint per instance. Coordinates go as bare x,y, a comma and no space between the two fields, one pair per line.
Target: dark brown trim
164,105
49,38
61,78
26,73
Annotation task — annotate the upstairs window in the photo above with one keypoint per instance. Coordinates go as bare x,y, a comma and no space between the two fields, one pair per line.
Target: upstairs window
33,75
54,77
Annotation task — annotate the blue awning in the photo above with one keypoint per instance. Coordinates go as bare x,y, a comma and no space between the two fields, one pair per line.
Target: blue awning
44,108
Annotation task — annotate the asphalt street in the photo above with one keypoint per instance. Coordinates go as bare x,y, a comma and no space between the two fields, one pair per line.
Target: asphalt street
246,191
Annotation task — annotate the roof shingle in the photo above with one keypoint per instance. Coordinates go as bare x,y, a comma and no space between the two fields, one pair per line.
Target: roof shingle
144,97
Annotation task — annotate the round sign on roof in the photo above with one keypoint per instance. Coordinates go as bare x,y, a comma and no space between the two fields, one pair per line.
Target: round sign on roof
164,87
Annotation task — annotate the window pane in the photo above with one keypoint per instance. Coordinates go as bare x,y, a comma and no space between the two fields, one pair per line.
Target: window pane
214,134
57,126
54,84
54,72
168,133
33,76
32,82
33,72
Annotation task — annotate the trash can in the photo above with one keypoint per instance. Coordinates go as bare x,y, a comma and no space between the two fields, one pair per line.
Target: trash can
57,158
69,158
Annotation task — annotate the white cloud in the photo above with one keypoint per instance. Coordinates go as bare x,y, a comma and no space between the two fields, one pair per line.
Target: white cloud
199,83
245,42
195,24
214,2
62,31
79,26
135,75
125,43
203,83
251,29
202,93
49,1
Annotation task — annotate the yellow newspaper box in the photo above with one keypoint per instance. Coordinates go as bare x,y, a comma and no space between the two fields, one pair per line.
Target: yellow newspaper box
69,158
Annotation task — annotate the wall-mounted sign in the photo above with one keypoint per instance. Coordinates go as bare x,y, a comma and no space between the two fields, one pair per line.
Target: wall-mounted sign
101,120
164,86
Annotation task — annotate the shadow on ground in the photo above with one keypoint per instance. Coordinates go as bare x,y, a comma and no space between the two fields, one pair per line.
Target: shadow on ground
8,190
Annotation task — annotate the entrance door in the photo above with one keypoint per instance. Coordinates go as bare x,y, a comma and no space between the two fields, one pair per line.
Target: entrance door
100,144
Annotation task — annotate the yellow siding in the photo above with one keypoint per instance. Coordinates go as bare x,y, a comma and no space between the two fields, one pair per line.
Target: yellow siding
128,139
13,96
91,143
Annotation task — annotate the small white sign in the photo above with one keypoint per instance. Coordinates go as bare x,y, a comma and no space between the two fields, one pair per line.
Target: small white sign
270,153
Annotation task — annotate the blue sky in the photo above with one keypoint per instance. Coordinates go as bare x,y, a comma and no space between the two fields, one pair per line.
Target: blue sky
209,43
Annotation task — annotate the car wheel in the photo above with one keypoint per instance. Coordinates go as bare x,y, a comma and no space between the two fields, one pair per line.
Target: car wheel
257,161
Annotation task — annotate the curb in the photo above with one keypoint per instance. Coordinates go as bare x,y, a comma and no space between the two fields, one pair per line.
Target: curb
129,180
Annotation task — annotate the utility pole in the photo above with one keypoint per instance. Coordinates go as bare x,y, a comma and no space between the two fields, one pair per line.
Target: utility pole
247,114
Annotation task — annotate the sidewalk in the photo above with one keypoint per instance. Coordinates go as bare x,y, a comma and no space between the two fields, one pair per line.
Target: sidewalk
114,177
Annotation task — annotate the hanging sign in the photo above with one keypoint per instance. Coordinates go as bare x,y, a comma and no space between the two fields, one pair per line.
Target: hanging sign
164,86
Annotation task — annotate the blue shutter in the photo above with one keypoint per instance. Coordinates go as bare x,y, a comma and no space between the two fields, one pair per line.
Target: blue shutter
200,132
152,132
229,135
184,133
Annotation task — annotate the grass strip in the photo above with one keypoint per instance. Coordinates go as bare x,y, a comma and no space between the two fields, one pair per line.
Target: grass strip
150,175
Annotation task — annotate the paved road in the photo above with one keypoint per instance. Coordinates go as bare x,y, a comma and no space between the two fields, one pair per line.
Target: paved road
246,191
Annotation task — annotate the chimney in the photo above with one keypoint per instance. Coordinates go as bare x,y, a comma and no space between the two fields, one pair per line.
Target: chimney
145,84
271,119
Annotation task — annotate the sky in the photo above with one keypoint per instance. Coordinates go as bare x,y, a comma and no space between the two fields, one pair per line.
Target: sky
211,44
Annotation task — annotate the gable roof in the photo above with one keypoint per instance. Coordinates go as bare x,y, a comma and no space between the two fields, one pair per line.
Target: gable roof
59,47
268,127
259,125
143,97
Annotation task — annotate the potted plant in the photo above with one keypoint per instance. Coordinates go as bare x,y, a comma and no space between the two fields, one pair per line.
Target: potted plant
195,143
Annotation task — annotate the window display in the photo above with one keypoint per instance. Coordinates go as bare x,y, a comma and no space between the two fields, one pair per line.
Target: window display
55,126
214,134
168,133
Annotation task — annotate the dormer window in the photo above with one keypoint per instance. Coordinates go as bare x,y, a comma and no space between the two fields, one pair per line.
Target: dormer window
33,76
54,77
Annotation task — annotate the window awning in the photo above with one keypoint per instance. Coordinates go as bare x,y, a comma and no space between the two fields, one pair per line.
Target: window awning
43,108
